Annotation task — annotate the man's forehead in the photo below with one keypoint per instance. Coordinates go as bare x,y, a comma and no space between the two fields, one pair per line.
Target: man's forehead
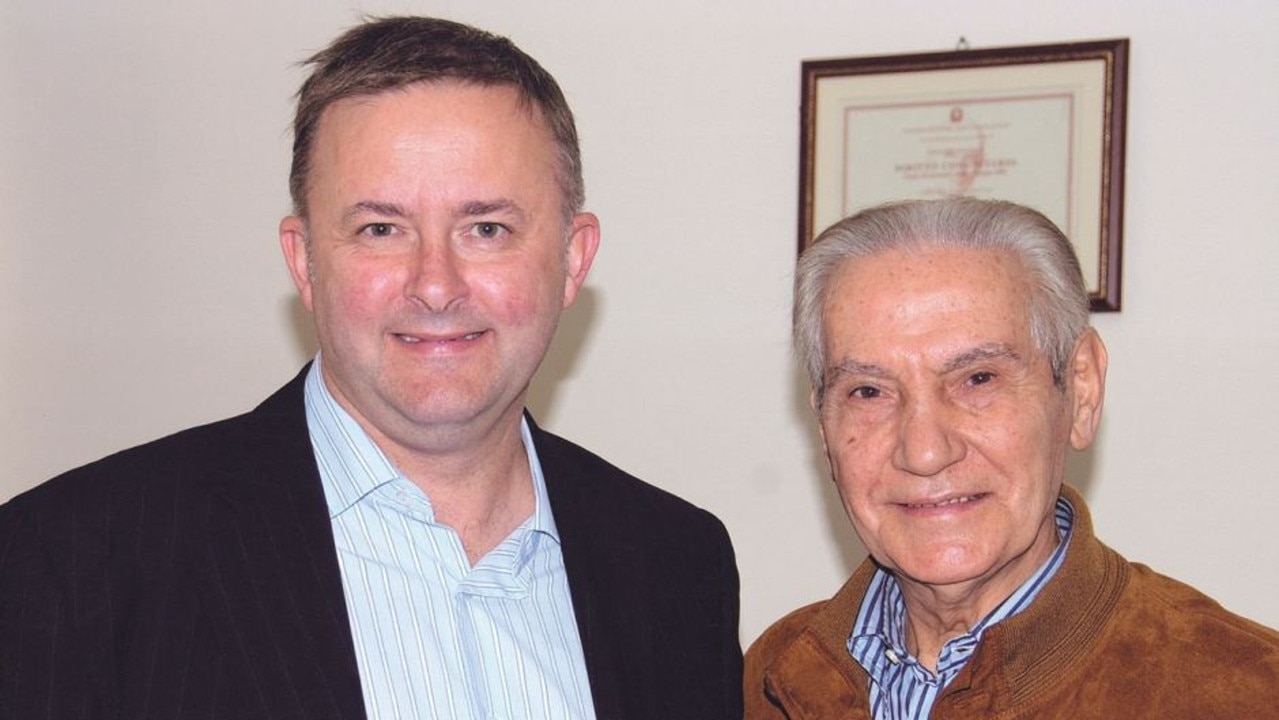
498,97
945,302
930,253
911,276
426,126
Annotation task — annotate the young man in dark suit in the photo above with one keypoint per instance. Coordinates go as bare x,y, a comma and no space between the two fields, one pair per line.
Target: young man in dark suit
390,534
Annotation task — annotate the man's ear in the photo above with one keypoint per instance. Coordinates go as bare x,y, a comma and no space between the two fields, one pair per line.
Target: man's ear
583,242
1087,377
296,255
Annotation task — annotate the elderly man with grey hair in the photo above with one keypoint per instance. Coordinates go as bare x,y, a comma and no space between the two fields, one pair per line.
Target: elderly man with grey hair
952,370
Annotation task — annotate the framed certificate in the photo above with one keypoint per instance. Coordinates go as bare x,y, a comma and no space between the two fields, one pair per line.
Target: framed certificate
1039,125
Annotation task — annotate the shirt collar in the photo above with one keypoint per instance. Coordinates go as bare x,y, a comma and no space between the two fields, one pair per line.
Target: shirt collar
352,466
877,641
543,521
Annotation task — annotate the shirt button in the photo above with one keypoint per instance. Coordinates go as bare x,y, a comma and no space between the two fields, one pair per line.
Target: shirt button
892,656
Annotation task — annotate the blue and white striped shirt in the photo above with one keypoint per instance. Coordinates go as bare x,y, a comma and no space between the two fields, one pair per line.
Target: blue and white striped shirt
435,637
901,688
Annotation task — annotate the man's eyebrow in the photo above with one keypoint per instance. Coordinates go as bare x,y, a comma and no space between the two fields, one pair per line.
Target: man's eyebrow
854,367
476,208
980,354
374,207
977,355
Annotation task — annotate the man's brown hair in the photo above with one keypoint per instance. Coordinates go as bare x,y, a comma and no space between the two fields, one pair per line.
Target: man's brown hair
388,53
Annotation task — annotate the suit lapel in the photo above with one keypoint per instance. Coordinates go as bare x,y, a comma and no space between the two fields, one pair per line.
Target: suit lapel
588,544
274,574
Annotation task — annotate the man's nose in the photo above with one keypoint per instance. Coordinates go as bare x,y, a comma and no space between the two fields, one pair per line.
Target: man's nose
437,278
927,438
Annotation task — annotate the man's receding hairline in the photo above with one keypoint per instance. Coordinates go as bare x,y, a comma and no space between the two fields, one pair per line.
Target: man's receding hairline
522,101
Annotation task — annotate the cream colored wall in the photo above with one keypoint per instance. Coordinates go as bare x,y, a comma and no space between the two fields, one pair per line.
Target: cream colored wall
143,152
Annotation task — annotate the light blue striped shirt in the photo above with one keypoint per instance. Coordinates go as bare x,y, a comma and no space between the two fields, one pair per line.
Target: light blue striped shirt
901,688
435,637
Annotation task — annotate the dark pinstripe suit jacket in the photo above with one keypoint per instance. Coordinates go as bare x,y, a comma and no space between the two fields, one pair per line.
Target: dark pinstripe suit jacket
196,577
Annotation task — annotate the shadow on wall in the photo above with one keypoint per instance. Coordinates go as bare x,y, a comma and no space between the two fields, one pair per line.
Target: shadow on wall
301,329
562,357
1080,467
850,549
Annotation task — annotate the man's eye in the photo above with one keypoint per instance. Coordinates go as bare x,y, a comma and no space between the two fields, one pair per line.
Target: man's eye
489,230
864,392
379,229
981,378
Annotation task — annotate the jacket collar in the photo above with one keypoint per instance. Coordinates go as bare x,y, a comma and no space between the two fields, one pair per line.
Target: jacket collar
814,676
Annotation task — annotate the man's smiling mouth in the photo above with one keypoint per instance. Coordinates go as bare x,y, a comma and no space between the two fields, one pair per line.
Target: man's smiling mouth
415,339
962,499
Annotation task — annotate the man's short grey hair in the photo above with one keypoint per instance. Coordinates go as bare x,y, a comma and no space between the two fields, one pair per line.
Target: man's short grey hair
1058,301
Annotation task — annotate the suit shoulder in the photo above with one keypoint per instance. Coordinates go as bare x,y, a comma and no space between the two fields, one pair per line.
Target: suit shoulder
149,464
116,506
181,457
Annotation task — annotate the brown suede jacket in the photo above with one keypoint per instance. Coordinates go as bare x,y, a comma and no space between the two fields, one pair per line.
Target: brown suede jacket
1106,638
